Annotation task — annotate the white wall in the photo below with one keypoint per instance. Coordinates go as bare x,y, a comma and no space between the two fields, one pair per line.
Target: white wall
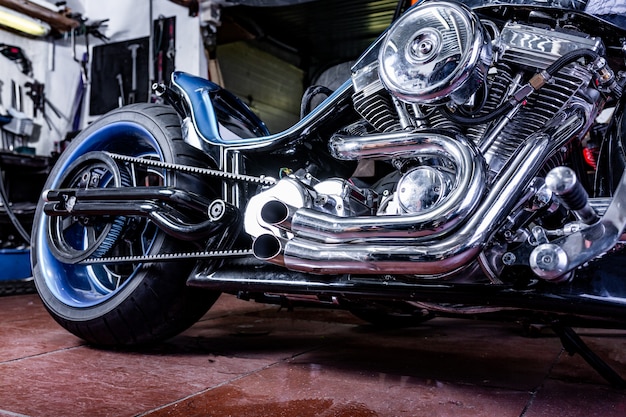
54,65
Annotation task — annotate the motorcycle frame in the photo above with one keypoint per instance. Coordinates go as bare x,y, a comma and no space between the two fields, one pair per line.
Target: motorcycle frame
596,297
591,295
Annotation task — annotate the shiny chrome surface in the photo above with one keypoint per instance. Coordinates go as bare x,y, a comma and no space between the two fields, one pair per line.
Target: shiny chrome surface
435,220
596,240
406,254
289,191
549,261
269,247
423,188
438,256
563,182
341,198
277,213
328,244
536,47
533,49
435,51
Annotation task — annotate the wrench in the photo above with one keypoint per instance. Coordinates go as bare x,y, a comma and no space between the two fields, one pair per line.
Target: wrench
133,53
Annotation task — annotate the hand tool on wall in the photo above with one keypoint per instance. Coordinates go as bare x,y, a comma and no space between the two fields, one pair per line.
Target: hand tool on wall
120,82
15,53
133,53
164,48
36,93
85,30
16,96
171,49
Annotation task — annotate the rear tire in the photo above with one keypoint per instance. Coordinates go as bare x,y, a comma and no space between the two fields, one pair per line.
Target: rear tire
113,305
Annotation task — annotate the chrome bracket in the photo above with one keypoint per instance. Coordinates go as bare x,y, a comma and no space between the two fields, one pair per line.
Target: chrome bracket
555,259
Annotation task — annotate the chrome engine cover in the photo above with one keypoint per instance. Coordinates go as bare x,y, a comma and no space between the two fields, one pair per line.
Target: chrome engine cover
423,188
436,51
455,184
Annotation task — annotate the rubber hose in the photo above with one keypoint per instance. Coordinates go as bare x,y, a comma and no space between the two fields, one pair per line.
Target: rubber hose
555,67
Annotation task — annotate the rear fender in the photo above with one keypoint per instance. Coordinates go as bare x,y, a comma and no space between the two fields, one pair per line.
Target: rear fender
218,117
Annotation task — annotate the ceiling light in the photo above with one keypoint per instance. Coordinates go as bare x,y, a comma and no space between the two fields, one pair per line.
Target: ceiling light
22,23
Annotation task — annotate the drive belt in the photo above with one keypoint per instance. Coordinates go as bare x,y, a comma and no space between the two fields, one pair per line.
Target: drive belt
194,170
168,257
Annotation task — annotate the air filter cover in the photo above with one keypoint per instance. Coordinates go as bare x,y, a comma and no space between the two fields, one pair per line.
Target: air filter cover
435,52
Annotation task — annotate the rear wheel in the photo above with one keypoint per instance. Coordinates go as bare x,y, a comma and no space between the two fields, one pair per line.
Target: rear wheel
118,304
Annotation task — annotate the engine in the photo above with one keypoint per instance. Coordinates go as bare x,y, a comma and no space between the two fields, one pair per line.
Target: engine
470,114
518,52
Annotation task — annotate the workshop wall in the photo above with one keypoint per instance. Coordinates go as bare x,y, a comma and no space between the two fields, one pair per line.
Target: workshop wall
273,89
55,67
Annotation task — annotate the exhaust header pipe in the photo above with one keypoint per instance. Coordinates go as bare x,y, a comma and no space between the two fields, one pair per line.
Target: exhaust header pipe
390,244
411,255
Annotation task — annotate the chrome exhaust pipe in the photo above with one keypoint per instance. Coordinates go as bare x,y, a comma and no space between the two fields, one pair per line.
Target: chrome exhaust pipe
277,213
269,248
436,221
388,248
436,256
387,146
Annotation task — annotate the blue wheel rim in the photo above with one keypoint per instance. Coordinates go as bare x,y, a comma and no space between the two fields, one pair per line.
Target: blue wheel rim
84,286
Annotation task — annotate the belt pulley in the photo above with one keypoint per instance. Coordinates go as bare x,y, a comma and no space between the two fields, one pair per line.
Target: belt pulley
82,181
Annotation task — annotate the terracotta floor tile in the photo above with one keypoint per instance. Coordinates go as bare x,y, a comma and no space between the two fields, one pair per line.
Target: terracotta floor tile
84,381
247,359
22,307
314,390
26,329
490,354
558,398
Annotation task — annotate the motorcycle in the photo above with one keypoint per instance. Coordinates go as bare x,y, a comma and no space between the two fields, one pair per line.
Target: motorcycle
472,165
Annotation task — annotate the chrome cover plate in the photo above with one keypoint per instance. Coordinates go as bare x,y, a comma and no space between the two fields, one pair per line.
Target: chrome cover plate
436,51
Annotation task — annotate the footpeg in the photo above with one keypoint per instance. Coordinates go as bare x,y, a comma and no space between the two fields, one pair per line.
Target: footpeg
553,260
563,182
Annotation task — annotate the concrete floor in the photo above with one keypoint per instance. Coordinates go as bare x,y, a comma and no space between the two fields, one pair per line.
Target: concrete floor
246,359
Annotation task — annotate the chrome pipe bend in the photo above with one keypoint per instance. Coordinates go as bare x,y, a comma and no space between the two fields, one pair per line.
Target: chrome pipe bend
463,199
434,257
370,249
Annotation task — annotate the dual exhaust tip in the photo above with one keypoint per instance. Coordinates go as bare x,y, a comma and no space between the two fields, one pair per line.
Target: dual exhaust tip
269,247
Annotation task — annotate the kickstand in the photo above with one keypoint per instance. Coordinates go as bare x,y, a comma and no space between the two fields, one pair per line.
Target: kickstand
574,344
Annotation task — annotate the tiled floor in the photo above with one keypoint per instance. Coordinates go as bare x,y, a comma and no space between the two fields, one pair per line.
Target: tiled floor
246,359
